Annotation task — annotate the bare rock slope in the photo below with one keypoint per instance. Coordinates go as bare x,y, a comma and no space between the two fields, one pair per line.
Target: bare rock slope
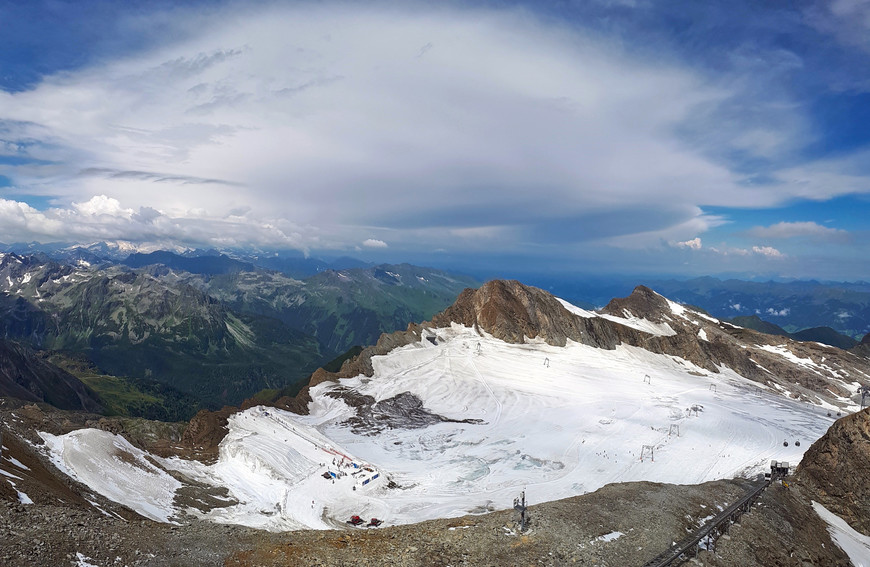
835,469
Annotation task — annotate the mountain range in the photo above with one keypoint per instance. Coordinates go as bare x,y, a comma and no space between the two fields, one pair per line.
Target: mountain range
340,308
792,305
824,335
509,388
209,326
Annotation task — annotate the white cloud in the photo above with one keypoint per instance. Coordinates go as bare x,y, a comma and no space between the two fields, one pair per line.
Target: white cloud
672,234
694,244
102,205
318,121
781,313
797,229
768,251
374,243
104,218
846,20
290,110
736,307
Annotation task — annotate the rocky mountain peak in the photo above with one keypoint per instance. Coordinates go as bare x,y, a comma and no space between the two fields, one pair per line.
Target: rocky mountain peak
511,312
643,302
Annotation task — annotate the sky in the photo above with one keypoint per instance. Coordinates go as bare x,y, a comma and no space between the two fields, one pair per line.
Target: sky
604,136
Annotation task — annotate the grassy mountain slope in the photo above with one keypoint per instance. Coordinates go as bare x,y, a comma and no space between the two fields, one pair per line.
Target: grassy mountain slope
129,397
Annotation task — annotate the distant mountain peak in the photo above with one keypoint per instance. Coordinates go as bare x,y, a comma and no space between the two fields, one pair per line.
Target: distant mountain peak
207,265
643,302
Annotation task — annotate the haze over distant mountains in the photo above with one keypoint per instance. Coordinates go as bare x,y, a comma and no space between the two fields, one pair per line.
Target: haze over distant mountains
793,306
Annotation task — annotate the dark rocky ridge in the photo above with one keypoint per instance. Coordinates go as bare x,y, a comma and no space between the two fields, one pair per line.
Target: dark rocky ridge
24,375
836,468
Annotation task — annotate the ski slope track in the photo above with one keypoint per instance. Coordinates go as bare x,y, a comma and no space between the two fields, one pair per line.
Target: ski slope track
554,421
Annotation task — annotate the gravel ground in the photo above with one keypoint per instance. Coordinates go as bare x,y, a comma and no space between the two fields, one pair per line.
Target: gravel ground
583,530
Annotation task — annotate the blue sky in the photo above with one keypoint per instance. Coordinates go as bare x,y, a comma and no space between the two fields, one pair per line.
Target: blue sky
611,136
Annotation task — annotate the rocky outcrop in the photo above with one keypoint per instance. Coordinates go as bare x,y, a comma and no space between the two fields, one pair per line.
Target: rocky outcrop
782,530
511,311
206,430
863,348
835,470
643,302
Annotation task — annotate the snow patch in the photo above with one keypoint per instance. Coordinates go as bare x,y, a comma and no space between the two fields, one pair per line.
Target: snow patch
608,537
637,323
784,352
10,475
23,498
109,465
83,561
643,325
17,463
576,310
676,308
854,544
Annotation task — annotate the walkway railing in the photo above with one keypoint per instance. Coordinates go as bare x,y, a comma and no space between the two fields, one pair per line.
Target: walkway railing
688,547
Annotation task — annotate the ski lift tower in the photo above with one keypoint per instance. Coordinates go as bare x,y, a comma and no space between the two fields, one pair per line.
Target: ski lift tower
520,506
865,393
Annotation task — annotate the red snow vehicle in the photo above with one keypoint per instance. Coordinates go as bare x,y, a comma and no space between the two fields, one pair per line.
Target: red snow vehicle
374,523
355,520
